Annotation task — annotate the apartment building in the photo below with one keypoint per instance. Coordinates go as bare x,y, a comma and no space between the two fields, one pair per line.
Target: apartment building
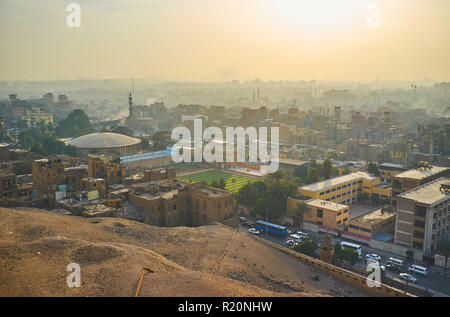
8,185
101,166
328,214
413,178
423,216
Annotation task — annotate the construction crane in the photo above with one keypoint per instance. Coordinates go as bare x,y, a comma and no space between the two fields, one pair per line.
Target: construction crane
144,269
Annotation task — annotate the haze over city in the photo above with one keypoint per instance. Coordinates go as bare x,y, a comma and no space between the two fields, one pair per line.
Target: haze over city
200,40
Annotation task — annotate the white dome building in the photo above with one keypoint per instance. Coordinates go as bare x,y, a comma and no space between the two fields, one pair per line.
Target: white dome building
105,142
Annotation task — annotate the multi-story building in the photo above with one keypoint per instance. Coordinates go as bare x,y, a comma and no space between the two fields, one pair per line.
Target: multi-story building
101,166
36,116
179,203
48,174
410,179
389,170
423,216
345,189
8,185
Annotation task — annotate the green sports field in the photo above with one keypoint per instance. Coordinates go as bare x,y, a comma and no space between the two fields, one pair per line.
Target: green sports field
233,182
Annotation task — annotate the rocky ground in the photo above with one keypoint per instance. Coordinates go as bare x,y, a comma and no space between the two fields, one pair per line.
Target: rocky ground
36,247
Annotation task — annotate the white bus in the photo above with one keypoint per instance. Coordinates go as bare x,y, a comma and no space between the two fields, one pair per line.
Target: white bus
353,246
397,262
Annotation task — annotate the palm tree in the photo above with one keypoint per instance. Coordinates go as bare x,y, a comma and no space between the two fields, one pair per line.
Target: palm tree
298,212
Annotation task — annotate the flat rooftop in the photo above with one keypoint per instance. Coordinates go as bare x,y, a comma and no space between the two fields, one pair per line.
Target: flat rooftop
326,205
429,193
373,217
293,162
337,181
392,166
419,174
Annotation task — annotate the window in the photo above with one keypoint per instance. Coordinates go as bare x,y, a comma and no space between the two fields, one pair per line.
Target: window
319,213
339,222
339,213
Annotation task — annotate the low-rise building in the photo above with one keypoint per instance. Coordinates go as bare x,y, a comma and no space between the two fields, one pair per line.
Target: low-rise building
327,214
380,220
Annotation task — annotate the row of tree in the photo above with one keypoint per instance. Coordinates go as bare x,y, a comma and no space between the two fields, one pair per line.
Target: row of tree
268,198
42,142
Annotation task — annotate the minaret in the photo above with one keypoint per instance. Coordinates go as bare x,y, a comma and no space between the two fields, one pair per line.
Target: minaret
130,105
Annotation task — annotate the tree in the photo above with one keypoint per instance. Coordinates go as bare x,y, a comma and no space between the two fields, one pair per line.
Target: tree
443,248
301,172
278,175
409,256
327,168
222,184
299,212
77,123
347,171
347,255
144,142
307,246
373,168
313,176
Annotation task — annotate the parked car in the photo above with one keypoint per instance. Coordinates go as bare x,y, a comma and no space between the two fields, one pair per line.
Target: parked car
392,267
303,234
254,231
408,277
373,256
418,269
296,237
242,219
291,243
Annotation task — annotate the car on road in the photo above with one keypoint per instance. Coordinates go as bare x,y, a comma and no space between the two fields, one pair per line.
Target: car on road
373,256
418,269
408,277
254,231
295,237
302,234
291,243
247,223
392,267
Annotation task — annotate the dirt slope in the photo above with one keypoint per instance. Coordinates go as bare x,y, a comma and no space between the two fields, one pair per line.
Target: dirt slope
36,246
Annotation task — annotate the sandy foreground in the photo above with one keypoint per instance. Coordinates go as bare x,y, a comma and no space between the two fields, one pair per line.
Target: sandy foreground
36,246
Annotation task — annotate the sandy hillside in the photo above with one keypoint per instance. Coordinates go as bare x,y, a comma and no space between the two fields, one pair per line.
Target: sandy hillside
36,246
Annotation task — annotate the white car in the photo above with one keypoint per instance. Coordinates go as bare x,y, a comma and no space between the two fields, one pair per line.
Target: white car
254,231
373,256
408,277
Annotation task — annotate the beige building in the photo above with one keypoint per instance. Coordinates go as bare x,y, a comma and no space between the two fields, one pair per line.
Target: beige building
423,216
36,116
323,213
373,223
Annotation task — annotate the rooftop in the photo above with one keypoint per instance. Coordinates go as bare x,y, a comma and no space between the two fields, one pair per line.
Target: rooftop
429,193
338,180
292,162
326,204
374,216
102,140
392,166
419,174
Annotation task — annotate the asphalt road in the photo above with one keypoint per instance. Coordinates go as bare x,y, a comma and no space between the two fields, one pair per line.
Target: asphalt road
433,281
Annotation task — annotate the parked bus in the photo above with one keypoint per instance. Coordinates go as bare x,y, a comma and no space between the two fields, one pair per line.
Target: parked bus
271,228
353,246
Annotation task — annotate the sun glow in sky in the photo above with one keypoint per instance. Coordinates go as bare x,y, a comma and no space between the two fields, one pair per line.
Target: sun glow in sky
209,40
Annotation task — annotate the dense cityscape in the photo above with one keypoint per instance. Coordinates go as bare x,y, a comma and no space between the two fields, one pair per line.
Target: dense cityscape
172,188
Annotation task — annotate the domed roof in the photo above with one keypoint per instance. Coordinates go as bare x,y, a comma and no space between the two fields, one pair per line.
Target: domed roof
102,140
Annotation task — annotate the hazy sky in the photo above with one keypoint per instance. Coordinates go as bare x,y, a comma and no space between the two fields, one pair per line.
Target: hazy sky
209,40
